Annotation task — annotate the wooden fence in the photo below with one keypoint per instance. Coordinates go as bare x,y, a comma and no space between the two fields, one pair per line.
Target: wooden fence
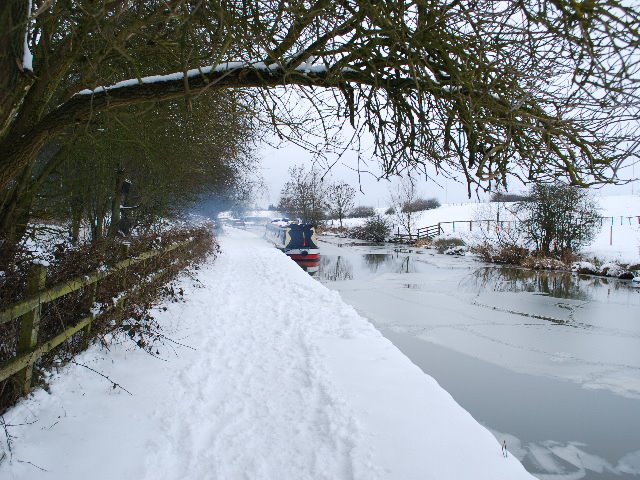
438,229
424,232
29,349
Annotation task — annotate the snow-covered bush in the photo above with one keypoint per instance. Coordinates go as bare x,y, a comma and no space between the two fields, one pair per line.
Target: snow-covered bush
610,269
443,244
543,263
457,250
584,268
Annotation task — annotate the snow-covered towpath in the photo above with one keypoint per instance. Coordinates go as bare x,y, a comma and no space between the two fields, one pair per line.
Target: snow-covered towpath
282,381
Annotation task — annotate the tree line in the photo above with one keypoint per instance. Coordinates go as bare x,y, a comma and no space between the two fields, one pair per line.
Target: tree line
309,196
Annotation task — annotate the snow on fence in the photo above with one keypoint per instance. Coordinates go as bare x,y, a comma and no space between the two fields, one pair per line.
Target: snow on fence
29,309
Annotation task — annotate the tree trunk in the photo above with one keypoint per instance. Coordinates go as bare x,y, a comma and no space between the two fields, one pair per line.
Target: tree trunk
116,202
14,217
76,218
14,81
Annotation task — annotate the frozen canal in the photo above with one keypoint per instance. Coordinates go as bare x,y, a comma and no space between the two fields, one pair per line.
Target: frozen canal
549,362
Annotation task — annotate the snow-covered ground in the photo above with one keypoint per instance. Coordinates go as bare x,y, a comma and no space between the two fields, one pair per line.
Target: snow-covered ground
617,240
274,377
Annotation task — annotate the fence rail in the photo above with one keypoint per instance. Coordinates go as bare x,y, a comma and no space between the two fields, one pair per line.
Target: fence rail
28,310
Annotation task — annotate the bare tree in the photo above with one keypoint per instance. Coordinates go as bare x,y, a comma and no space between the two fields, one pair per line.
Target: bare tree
340,196
402,198
305,195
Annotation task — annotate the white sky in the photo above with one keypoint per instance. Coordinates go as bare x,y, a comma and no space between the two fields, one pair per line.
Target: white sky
276,162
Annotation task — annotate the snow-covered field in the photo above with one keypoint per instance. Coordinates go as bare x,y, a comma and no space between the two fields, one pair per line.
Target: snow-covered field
617,240
274,377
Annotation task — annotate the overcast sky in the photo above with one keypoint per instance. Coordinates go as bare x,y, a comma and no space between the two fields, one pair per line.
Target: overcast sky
276,162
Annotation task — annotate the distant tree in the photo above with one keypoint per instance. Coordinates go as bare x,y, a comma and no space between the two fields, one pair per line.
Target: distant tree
362,212
558,218
340,196
420,204
507,197
389,211
305,195
404,195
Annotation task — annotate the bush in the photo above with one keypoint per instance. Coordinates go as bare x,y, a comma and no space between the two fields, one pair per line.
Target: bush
442,244
362,212
509,254
376,229
421,204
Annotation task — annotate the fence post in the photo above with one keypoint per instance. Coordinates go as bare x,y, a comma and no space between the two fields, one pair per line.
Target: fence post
30,324
124,254
88,300
611,235
124,250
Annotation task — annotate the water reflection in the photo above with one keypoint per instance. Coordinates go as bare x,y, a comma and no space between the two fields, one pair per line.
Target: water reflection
394,263
335,269
555,284
375,261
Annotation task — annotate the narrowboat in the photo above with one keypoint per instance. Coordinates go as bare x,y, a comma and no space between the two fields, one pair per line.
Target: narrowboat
297,241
